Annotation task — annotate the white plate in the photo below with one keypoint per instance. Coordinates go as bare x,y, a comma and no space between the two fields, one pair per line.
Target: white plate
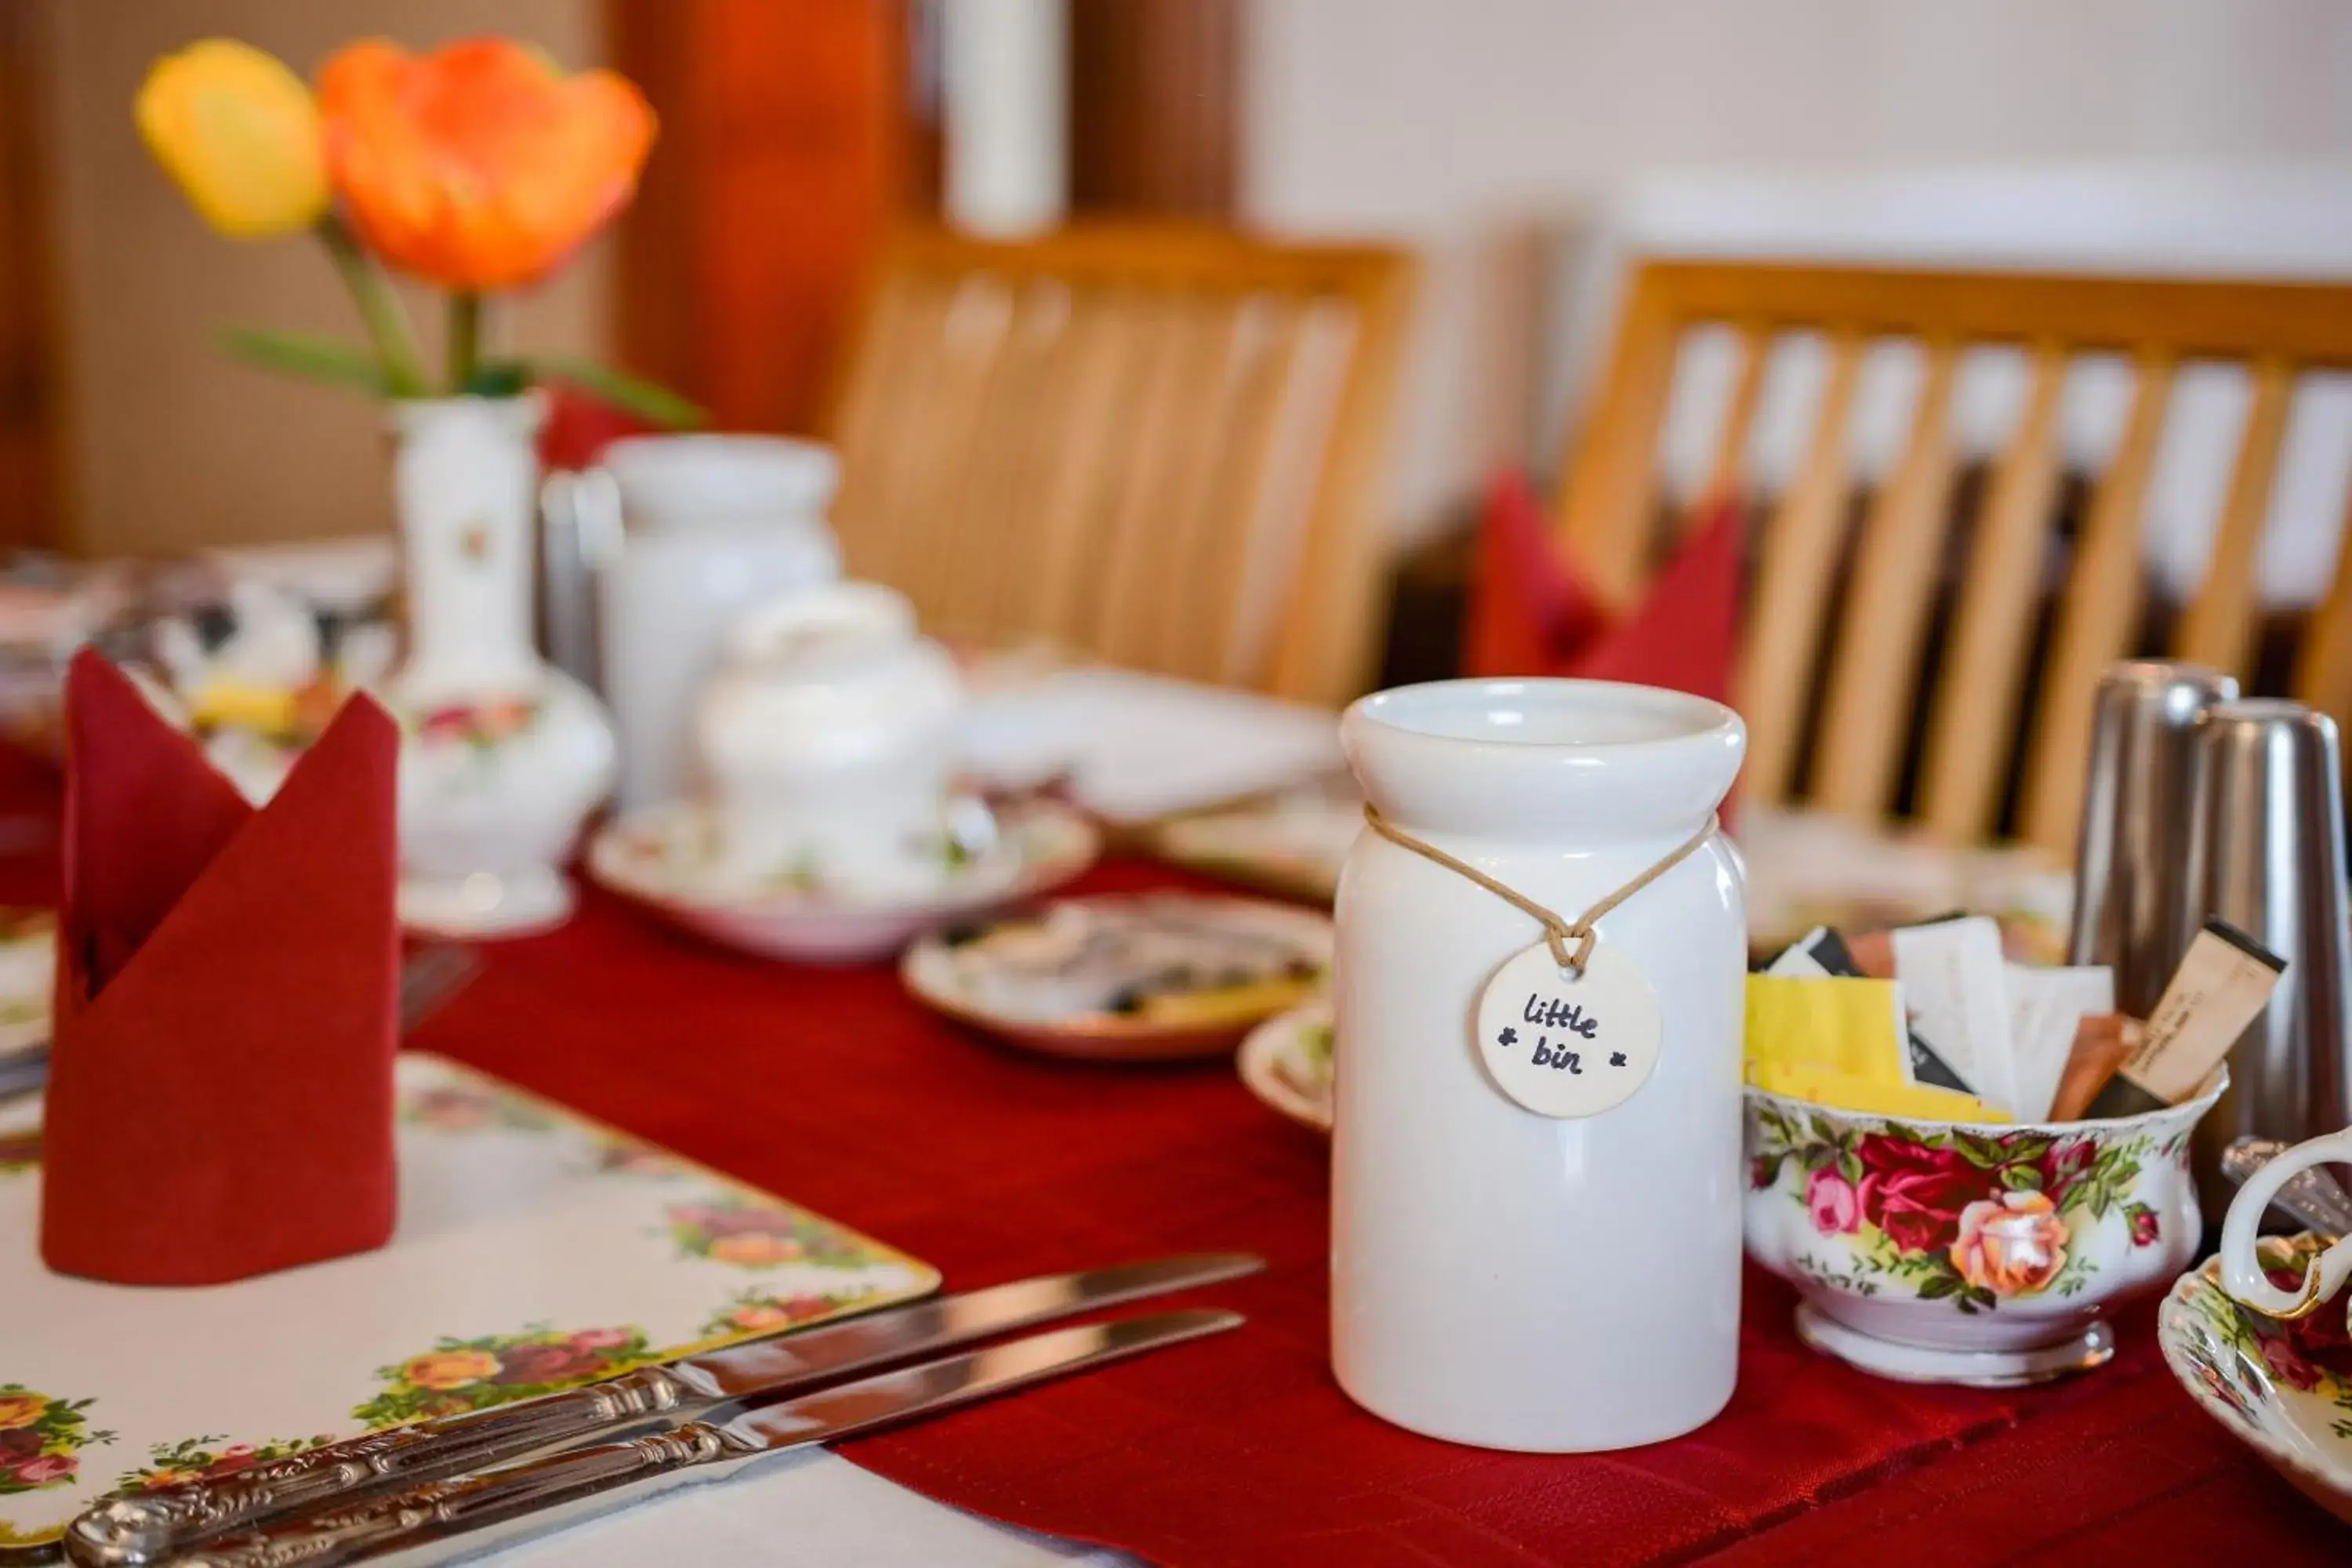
2253,1374
662,858
940,974
1137,747
1281,1066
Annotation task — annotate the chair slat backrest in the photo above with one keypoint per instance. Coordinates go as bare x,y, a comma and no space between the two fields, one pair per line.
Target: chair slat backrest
1848,608
1159,446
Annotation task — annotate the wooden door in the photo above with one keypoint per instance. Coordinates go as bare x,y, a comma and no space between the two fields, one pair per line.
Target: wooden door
792,141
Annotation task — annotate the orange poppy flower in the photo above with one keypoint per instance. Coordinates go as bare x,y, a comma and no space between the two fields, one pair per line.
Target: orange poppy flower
479,165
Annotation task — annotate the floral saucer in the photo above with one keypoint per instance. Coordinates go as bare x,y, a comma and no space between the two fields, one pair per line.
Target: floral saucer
1132,977
2285,1389
1286,1063
666,857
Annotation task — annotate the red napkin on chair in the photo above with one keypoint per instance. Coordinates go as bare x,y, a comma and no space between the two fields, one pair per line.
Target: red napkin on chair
578,427
1531,612
220,1094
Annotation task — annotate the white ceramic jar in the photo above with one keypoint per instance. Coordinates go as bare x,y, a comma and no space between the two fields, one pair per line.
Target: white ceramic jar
1499,1277
707,526
829,732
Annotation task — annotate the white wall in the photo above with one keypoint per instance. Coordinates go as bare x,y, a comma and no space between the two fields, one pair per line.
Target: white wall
1476,128
169,443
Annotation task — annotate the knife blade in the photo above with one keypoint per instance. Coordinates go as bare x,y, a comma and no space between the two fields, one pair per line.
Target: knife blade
445,1520
127,1532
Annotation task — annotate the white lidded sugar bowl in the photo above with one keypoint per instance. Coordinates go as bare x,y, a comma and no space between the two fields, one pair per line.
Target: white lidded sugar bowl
829,736
1539,1257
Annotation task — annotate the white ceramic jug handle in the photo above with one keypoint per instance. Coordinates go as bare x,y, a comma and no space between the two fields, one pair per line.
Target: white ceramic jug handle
2242,1270
596,503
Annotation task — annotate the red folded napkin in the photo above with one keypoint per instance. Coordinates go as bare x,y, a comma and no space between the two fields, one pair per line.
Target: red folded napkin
220,1097
1532,613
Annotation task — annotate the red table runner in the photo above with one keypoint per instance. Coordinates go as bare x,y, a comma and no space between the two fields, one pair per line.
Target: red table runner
834,1087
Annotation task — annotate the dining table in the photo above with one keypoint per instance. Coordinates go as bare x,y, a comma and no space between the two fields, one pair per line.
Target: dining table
834,1087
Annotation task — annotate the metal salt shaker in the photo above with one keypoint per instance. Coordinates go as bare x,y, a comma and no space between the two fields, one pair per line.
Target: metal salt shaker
2266,853
2133,843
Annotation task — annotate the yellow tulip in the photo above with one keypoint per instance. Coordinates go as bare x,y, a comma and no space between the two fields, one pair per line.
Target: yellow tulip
240,133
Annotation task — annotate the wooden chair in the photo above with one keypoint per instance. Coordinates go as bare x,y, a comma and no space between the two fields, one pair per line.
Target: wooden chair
1873,635
1161,446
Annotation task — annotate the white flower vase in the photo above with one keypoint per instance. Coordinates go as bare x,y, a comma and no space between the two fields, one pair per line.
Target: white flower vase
503,756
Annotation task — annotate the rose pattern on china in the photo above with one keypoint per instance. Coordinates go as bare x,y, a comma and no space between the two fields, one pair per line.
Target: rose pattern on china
2246,1358
755,1311
2010,1245
482,726
41,1438
1976,1218
463,1108
762,1236
458,1376
209,1459
1836,1207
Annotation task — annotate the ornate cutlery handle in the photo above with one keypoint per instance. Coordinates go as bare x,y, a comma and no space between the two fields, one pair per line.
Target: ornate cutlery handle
538,1496
133,1531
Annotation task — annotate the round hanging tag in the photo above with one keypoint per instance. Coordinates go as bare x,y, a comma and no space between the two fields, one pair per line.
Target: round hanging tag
1567,1044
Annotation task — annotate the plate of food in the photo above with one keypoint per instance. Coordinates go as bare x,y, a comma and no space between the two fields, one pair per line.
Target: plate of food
1286,1063
1124,977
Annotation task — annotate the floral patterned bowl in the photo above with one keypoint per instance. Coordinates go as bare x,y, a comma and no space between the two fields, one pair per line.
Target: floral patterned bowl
1963,1252
2282,1388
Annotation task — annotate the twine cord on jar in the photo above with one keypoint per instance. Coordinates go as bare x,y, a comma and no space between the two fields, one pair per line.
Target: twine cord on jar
1558,933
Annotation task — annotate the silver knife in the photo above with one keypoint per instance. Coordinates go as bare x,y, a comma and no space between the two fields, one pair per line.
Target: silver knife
442,1520
129,1532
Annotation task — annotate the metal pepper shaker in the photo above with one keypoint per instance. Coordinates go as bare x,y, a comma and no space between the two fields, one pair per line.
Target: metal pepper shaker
2133,843
2266,853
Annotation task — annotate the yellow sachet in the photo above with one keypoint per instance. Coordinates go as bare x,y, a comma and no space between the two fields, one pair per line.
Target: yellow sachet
1849,1025
1819,1085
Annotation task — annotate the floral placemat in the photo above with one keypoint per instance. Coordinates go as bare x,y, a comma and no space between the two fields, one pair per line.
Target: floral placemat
536,1250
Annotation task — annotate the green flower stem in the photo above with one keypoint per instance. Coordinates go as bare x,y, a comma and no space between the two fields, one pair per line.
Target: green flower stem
379,307
465,339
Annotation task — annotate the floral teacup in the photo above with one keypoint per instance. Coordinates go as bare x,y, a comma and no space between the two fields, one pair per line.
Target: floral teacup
2244,1273
2284,1386
1965,1252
